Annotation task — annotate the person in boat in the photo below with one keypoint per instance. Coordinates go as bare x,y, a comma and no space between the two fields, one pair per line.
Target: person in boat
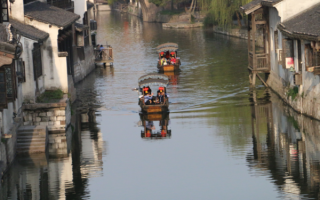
163,61
173,58
162,95
101,50
147,96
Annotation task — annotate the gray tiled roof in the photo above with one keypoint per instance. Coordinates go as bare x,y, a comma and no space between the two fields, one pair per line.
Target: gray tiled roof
49,14
89,5
29,31
305,25
255,3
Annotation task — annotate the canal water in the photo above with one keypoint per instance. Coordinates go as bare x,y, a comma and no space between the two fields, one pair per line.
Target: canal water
221,139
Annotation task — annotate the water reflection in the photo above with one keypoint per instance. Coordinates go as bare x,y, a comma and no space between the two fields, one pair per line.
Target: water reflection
286,148
149,123
73,157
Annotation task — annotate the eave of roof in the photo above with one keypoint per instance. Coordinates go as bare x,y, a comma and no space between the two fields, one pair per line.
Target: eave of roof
80,27
50,14
256,4
304,25
89,5
29,31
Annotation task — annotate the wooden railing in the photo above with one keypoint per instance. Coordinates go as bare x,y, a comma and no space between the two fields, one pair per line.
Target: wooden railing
259,61
262,61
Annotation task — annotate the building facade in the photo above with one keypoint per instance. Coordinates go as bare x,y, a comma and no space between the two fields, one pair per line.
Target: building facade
45,46
290,55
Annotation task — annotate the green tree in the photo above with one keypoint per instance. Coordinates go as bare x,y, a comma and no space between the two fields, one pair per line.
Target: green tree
222,11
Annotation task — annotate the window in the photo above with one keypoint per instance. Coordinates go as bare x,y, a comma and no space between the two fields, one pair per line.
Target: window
85,19
37,61
3,99
4,11
287,54
21,71
276,42
312,56
8,87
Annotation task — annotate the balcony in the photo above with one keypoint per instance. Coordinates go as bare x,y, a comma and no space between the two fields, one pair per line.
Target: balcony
259,62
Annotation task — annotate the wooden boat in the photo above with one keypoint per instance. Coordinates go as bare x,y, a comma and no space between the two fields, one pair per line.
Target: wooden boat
165,50
149,80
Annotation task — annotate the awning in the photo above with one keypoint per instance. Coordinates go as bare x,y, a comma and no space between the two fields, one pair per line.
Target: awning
164,49
153,79
169,44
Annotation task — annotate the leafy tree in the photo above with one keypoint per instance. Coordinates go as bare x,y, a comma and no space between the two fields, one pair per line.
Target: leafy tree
222,11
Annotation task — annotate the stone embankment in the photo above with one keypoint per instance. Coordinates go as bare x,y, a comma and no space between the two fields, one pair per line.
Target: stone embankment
239,33
305,104
182,25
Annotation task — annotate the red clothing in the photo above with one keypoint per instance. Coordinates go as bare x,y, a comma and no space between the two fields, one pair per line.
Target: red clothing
173,60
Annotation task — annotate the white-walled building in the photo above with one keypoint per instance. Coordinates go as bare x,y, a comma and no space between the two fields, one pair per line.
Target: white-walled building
45,45
290,57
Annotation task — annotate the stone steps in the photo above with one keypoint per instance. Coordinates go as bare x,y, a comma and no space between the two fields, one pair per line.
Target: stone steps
32,139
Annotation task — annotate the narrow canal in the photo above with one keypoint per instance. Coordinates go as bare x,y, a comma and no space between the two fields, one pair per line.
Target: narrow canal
227,141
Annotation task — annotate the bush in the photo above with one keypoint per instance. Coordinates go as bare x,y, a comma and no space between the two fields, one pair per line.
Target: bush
293,92
50,96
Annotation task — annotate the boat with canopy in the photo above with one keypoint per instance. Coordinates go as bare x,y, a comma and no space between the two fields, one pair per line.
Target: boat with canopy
168,60
149,103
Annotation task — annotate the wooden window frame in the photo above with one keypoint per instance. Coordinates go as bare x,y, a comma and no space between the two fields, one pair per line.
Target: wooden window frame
285,50
21,73
4,11
312,59
85,19
10,75
37,61
3,90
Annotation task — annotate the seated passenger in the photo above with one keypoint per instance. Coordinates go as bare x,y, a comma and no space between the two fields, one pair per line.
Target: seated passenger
163,61
173,58
147,96
162,95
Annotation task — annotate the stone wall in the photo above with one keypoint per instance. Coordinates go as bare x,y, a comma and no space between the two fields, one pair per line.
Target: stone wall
83,67
239,33
307,104
54,115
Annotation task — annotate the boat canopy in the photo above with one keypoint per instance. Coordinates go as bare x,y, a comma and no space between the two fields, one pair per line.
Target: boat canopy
167,47
164,49
153,79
